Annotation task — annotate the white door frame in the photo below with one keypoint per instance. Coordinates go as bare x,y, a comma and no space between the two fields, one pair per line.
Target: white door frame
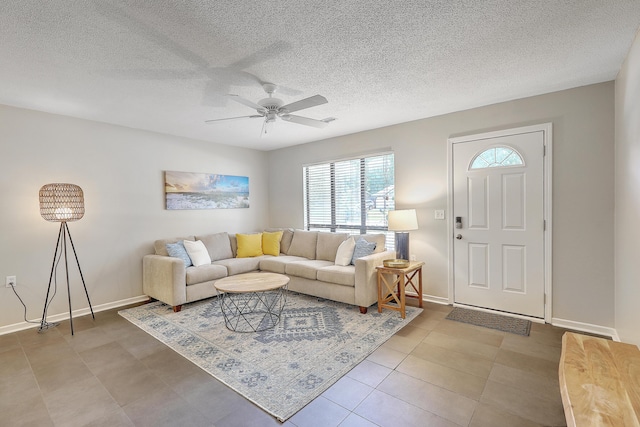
546,129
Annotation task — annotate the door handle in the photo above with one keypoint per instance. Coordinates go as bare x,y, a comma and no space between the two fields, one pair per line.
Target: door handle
459,236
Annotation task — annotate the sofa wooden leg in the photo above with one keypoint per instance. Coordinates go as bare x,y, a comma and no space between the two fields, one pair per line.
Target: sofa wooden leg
363,310
177,308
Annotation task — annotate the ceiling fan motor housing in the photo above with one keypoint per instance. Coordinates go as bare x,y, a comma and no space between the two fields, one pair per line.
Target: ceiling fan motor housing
271,104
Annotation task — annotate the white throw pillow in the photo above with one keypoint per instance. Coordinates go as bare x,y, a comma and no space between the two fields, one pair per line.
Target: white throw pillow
345,252
197,252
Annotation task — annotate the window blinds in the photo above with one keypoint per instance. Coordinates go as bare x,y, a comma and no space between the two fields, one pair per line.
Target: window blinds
352,195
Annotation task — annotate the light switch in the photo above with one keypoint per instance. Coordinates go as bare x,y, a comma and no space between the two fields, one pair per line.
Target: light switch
439,214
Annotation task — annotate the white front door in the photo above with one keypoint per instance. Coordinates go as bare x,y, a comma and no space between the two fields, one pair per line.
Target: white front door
498,222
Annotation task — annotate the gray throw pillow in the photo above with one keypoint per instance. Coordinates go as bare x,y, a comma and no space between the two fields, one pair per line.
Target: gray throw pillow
362,249
177,250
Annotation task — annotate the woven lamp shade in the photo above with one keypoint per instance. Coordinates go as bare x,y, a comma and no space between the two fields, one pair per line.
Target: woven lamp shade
61,202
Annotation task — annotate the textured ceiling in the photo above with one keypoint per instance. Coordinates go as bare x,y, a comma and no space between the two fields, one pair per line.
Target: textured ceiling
166,66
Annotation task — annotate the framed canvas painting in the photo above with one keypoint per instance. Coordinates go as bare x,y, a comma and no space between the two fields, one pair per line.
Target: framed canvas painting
189,190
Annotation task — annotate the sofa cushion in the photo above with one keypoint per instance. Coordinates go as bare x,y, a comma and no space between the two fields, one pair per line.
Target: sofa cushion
249,245
271,242
363,248
218,245
341,275
197,252
204,273
307,269
241,265
160,246
345,252
177,250
328,244
304,244
234,244
277,265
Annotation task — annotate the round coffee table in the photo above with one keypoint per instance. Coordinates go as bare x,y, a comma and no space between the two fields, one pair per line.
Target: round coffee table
252,302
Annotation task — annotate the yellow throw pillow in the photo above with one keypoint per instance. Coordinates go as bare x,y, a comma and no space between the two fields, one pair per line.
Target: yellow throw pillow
271,242
249,245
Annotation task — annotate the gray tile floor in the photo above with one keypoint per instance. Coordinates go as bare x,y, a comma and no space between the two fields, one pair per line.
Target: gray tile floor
434,372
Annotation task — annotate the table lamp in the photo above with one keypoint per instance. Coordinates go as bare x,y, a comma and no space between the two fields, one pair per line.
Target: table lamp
401,221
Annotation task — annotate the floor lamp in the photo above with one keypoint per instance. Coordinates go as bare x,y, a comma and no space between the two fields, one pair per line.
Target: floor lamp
401,222
62,203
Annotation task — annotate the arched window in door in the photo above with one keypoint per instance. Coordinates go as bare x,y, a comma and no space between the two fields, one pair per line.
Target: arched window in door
497,157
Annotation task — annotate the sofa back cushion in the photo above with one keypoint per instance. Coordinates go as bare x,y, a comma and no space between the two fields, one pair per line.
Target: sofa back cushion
327,245
304,244
160,246
285,243
218,245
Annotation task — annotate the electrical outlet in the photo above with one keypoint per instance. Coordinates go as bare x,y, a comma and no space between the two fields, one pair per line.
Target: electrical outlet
413,257
10,281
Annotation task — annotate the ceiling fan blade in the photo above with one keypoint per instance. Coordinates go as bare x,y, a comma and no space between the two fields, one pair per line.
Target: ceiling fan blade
255,116
248,103
305,121
312,101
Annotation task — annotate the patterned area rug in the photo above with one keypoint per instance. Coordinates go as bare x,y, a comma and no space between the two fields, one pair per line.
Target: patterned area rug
282,369
491,320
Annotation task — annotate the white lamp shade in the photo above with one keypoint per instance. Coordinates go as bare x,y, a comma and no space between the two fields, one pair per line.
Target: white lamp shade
403,220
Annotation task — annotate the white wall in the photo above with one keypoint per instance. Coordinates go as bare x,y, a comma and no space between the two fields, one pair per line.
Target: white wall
121,173
627,224
583,131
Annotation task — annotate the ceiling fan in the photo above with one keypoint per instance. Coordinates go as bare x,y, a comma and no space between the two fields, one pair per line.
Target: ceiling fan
271,109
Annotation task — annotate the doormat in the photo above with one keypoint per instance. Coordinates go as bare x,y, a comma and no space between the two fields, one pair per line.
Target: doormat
512,325
281,369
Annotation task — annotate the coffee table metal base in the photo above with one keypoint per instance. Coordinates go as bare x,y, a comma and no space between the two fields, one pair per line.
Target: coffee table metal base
252,311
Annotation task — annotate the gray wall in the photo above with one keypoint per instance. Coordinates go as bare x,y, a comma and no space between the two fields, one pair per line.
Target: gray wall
627,233
121,173
583,198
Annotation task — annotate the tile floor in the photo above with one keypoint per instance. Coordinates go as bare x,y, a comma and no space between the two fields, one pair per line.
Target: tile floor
434,372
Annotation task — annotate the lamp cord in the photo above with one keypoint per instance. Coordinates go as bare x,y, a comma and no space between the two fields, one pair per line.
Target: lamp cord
45,324
25,307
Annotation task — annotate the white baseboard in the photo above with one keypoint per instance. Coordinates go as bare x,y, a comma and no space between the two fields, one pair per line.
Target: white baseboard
431,298
586,327
76,313
435,299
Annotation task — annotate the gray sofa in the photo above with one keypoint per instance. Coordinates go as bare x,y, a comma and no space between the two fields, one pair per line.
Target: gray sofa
306,257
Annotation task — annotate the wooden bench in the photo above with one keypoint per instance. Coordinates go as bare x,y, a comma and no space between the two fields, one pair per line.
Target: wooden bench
599,382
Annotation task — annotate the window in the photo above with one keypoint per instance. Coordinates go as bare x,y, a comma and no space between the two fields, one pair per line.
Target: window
497,157
352,195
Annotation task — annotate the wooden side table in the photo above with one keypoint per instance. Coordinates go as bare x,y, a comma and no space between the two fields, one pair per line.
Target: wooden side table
394,290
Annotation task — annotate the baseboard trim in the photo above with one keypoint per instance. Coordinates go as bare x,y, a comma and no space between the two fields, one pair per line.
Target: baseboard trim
435,299
76,313
431,298
586,327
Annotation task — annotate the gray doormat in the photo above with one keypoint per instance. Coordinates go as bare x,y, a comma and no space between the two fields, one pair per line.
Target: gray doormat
491,320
